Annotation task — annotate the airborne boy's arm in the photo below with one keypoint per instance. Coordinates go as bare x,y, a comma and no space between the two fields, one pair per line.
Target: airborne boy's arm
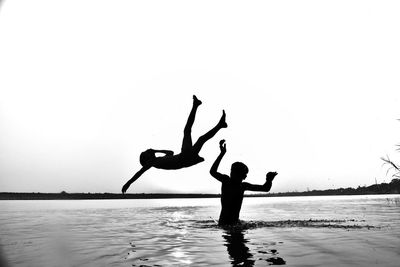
134,178
166,152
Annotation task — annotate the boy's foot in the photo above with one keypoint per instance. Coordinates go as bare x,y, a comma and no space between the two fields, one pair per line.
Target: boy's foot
196,101
222,122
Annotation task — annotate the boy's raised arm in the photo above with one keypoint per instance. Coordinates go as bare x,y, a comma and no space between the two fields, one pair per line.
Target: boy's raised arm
262,188
214,168
134,178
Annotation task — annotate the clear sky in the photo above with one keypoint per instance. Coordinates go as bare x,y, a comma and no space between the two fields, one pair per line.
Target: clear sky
311,90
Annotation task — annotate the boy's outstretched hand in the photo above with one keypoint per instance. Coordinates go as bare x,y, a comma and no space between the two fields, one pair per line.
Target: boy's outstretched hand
270,176
222,146
125,187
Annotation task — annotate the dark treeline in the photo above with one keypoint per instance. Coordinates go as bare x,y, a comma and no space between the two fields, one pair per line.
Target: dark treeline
384,188
65,195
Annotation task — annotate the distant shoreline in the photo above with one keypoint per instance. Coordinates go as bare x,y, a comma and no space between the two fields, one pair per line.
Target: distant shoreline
82,196
99,196
377,189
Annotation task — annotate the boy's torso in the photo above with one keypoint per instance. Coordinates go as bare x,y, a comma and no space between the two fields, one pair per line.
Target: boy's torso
231,201
178,161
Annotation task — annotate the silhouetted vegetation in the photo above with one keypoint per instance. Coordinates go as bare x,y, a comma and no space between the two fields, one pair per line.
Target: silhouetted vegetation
392,166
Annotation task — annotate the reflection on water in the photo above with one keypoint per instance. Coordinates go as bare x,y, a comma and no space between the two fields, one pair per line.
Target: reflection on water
236,245
240,253
312,231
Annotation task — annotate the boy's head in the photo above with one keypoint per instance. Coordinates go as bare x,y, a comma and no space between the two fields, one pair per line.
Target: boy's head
147,157
239,171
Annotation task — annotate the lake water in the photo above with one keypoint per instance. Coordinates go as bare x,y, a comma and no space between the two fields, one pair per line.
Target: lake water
295,231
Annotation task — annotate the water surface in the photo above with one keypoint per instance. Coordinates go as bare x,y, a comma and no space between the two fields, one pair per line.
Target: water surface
293,231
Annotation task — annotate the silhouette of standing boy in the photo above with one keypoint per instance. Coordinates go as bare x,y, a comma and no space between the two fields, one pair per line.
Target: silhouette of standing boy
189,155
233,187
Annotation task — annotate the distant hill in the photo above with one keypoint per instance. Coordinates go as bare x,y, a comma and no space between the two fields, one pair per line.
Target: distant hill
384,188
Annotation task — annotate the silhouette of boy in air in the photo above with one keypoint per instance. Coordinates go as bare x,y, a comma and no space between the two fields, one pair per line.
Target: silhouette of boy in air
233,187
189,155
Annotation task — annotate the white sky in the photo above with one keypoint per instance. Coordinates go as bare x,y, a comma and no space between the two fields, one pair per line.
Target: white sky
311,90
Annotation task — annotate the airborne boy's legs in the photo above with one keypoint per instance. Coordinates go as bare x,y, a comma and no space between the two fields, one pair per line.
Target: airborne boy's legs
207,136
187,132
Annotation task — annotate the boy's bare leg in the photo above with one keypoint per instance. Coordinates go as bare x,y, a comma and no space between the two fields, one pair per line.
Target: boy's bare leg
187,132
207,136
